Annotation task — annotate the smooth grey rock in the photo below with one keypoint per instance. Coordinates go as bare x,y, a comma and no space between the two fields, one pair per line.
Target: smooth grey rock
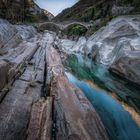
25,31
8,34
80,45
66,45
128,67
103,43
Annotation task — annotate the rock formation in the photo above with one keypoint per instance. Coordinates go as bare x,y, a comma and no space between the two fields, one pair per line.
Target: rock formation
37,101
116,44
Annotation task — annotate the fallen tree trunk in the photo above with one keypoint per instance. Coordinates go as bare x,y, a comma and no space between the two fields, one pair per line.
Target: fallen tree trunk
74,116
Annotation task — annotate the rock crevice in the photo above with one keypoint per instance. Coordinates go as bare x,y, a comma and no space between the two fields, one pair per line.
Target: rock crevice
37,101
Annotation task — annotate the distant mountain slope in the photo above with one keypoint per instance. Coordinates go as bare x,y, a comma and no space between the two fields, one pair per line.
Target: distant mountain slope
22,10
86,10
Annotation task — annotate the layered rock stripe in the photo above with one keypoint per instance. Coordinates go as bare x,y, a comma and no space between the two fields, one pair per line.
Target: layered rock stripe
40,103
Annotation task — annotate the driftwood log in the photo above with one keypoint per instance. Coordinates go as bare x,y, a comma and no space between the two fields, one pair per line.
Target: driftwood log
74,116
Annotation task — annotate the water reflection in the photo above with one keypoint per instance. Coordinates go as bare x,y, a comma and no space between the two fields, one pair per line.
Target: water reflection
86,69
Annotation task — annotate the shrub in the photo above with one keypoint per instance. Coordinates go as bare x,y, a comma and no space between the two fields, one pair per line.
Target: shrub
77,30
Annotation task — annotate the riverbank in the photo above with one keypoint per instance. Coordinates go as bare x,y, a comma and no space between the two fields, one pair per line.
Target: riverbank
36,98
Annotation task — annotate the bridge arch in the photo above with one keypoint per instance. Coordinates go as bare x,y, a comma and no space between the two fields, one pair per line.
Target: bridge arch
49,26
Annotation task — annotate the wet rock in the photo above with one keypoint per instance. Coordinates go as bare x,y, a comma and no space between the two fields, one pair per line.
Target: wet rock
74,115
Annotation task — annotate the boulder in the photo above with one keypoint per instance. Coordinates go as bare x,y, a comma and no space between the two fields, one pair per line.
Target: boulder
66,45
128,67
8,35
25,31
69,46
80,45
104,45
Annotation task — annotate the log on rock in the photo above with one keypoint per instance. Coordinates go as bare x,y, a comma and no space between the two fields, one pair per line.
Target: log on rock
40,126
75,117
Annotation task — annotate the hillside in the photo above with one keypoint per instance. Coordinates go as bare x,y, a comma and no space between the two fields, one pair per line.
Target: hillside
97,12
99,9
23,10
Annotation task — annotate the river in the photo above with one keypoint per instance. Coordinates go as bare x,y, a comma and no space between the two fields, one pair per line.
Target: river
108,95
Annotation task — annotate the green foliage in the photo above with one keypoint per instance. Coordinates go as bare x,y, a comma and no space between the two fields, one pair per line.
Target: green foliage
76,30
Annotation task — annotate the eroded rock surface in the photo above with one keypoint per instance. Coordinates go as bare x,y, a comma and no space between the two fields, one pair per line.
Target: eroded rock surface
128,67
15,108
108,40
26,32
18,45
40,126
109,45
71,107
36,99
66,45
8,34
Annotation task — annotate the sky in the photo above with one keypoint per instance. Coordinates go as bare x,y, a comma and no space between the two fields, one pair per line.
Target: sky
55,6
